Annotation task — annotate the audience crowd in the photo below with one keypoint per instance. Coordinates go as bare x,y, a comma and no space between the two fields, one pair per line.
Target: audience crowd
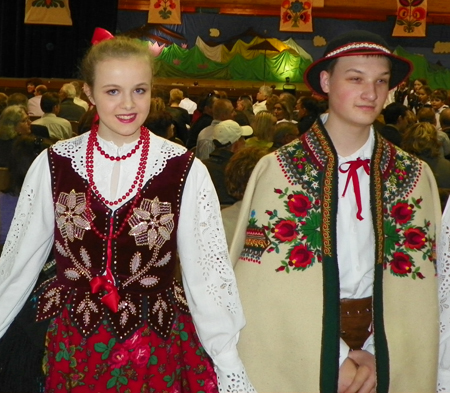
229,136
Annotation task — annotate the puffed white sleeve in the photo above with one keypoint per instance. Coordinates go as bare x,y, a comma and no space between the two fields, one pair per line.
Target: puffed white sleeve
29,241
443,269
209,280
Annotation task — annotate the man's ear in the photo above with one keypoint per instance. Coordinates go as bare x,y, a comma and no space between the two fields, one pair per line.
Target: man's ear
88,92
324,81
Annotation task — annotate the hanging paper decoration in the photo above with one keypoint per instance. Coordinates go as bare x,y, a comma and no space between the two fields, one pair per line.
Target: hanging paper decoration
296,16
165,12
411,18
48,12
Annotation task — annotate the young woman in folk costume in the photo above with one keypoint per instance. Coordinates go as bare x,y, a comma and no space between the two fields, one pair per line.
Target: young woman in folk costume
118,204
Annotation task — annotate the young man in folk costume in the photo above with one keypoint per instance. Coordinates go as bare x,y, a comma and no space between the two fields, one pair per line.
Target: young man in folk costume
334,251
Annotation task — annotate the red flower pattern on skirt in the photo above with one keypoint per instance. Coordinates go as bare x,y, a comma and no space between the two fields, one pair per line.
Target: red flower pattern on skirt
144,363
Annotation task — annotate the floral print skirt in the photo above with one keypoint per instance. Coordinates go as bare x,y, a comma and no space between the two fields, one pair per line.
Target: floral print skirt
143,363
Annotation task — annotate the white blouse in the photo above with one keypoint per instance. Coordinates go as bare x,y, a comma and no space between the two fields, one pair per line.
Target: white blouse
208,278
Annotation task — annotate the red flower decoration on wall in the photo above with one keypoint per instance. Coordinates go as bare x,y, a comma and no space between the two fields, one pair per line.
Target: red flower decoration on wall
410,14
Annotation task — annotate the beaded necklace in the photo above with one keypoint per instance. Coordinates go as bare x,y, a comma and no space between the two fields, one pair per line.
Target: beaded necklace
106,282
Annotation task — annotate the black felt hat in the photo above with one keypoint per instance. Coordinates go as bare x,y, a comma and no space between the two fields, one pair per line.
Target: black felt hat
354,43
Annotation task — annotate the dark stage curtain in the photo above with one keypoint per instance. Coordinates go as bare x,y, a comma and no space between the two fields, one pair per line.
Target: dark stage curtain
50,51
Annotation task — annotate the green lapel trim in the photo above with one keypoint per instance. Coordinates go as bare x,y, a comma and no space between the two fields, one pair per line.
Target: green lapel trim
329,361
376,197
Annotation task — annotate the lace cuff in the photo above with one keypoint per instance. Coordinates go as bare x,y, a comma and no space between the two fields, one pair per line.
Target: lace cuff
232,381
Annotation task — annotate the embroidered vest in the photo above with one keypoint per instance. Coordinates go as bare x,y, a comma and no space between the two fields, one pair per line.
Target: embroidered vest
143,257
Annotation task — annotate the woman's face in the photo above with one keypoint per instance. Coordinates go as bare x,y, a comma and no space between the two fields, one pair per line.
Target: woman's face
30,88
423,96
279,112
23,126
417,85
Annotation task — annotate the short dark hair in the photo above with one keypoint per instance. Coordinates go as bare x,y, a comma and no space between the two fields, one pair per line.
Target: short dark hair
49,101
426,115
393,111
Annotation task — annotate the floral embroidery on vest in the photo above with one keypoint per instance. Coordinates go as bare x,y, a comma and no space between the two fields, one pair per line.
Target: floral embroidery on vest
297,232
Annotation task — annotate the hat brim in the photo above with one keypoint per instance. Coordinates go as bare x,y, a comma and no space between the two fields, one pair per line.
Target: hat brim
400,70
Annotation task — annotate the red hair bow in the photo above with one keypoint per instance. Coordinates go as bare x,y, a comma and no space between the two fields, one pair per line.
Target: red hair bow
100,35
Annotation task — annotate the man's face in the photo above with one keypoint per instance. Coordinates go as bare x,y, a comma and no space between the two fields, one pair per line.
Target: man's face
260,96
357,89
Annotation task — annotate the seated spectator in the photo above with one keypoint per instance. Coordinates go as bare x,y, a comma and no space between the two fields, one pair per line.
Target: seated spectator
161,124
271,101
244,107
14,121
31,85
284,133
204,119
77,99
438,101
263,94
23,152
263,128
18,99
395,119
308,110
222,110
58,128
422,140
180,116
427,115
68,109
444,119
3,102
34,103
85,123
188,104
228,138
283,111
237,173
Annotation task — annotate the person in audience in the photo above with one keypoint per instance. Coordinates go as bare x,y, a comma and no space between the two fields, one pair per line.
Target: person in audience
444,119
424,94
3,102
14,121
427,115
283,111
395,119
413,97
188,104
284,133
222,110
271,101
68,109
204,120
244,107
180,116
438,101
31,85
422,141
58,128
23,152
34,103
77,99
401,92
18,99
308,110
237,173
87,120
228,137
263,128
263,94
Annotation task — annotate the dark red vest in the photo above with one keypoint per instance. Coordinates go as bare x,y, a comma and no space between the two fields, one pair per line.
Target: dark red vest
143,258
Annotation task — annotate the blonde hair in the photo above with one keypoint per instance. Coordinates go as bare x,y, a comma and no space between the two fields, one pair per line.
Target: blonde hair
117,48
176,95
263,125
10,117
157,105
421,139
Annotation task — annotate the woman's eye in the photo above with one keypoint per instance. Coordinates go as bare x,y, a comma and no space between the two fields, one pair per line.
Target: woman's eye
140,91
112,92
